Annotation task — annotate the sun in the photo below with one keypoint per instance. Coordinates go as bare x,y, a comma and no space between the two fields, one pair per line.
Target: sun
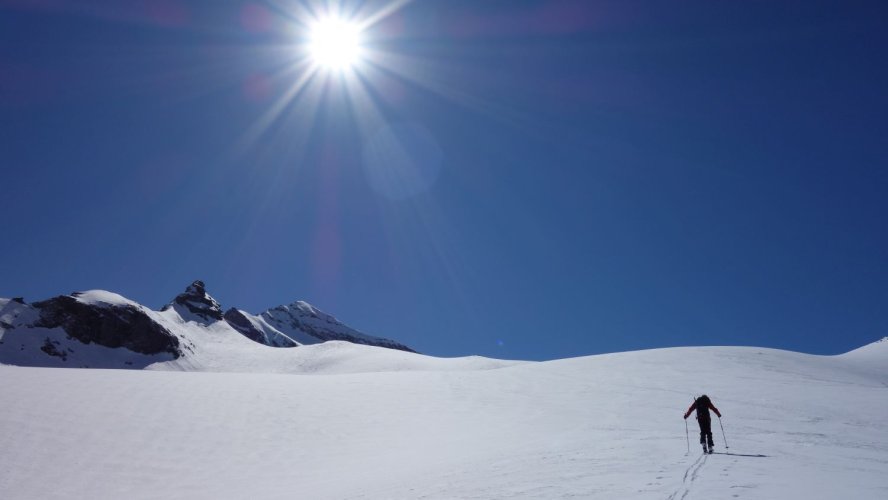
335,43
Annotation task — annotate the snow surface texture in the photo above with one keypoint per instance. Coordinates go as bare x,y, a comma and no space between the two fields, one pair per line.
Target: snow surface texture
373,423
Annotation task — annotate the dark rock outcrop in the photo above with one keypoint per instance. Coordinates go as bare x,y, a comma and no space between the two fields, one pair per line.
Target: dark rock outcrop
51,348
107,325
239,322
197,301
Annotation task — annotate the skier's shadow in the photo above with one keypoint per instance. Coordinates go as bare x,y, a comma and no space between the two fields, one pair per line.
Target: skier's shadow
738,454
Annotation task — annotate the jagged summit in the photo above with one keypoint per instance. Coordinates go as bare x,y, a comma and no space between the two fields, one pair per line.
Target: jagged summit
197,302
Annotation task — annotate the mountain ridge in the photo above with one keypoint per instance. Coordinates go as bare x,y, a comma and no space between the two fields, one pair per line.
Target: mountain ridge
76,329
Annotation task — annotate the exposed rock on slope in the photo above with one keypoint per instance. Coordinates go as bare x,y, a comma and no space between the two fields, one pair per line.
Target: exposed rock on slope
109,325
256,330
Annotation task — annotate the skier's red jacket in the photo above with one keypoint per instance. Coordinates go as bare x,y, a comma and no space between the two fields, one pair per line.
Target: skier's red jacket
710,405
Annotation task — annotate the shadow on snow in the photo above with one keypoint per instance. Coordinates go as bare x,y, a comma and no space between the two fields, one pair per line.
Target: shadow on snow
738,454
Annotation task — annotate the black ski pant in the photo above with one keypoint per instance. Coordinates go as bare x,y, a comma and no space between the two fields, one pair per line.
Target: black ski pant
705,431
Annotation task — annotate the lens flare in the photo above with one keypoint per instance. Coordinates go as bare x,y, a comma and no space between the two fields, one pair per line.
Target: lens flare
335,43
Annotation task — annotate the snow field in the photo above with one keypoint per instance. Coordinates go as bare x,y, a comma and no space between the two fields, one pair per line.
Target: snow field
597,427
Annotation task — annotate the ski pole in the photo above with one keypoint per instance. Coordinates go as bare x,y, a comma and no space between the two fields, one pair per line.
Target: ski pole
723,432
688,439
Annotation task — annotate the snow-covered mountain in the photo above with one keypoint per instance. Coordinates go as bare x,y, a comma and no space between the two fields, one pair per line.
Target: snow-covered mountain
371,422
100,329
352,422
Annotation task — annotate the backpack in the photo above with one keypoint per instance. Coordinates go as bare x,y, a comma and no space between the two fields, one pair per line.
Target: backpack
702,407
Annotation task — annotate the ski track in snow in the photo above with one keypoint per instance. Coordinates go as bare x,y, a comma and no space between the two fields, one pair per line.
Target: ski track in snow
600,427
687,481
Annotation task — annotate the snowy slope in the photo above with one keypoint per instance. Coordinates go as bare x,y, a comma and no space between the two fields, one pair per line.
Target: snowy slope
798,426
216,347
307,324
870,357
256,328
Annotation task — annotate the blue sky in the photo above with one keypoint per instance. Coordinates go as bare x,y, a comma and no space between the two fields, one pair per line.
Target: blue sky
580,177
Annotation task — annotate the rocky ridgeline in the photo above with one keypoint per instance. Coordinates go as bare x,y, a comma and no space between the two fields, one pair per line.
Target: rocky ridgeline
57,326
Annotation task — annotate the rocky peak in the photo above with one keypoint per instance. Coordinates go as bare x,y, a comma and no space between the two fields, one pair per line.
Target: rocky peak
196,288
198,302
